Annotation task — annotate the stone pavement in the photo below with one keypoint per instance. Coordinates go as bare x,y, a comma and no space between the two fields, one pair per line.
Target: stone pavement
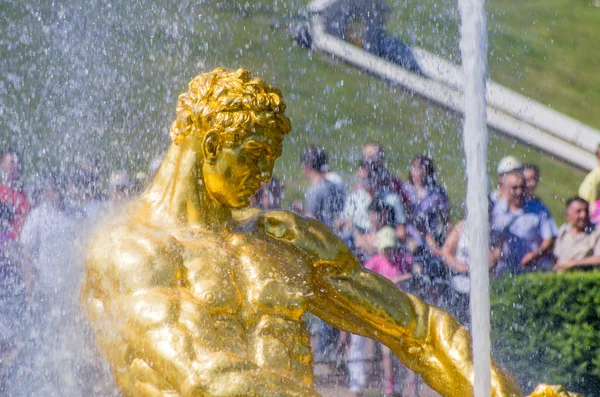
342,391
332,383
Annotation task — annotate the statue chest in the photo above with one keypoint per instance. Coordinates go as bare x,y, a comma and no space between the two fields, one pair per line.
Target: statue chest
248,275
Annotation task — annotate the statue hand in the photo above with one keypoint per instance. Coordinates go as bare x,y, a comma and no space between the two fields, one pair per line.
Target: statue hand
544,390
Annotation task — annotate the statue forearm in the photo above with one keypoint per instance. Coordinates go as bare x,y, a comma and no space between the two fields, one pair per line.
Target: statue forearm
443,357
426,339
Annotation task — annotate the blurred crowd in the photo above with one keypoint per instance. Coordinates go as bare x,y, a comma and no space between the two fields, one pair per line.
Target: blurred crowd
399,228
403,231
45,345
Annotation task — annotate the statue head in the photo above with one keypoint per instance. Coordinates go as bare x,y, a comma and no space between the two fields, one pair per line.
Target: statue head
237,123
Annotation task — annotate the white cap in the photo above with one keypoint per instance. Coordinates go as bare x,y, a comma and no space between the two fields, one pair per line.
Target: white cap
385,238
119,178
508,164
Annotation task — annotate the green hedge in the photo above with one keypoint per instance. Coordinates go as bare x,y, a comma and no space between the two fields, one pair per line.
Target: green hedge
546,328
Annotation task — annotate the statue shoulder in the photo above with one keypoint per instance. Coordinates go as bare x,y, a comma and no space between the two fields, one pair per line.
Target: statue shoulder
310,236
133,254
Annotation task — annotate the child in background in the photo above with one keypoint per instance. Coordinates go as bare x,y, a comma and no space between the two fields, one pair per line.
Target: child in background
387,260
386,252
387,257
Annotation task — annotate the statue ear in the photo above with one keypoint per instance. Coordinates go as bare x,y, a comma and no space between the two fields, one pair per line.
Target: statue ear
211,146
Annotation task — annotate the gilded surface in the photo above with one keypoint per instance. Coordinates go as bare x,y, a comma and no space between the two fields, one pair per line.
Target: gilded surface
189,300
543,390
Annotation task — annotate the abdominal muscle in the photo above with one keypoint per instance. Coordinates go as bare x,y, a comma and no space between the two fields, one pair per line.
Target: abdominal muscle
272,341
282,345
249,305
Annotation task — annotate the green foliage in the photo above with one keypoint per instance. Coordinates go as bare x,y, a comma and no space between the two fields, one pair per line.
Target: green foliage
546,328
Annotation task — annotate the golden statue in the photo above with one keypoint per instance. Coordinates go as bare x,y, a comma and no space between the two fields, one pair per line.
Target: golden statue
189,300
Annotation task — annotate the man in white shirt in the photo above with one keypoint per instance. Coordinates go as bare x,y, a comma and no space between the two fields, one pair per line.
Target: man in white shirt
578,242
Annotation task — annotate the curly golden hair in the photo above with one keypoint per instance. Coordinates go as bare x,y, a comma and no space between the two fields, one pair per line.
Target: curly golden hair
230,103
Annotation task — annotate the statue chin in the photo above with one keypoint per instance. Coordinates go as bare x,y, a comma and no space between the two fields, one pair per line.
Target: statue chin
233,202
236,203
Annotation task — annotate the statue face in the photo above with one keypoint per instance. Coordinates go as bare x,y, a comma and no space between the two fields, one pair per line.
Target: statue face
237,171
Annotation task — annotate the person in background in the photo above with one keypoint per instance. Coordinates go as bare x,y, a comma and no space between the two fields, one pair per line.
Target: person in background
119,188
578,241
331,175
524,228
430,215
531,173
49,239
10,174
590,188
354,221
506,165
382,214
47,234
380,187
455,255
385,259
374,159
269,196
374,155
355,215
14,300
323,200
391,261
14,205
386,253
429,206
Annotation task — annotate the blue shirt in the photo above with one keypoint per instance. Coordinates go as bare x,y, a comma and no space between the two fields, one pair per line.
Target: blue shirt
521,232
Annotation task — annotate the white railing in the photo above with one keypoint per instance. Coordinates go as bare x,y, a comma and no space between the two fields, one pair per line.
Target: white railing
441,82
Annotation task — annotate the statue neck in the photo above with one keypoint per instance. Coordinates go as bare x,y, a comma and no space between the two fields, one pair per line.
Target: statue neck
177,195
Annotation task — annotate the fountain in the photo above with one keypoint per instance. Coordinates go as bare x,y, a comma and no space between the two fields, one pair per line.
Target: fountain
473,47
189,299
96,93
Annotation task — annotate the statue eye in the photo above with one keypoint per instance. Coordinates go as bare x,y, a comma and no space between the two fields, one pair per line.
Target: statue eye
255,154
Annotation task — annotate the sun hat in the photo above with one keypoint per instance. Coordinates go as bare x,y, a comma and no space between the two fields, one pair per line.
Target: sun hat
508,164
385,238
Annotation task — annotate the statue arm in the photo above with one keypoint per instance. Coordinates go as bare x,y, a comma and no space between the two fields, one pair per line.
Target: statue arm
427,339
